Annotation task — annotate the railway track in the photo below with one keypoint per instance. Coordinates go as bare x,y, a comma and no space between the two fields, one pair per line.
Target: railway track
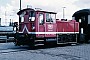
20,49
6,40
10,47
11,50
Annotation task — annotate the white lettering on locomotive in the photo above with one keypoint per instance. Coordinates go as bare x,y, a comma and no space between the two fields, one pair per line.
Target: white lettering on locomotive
50,26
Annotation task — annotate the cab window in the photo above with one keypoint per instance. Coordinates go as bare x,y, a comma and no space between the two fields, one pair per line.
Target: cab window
22,16
50,17
31,16
22,19
41,19
47,17
53,18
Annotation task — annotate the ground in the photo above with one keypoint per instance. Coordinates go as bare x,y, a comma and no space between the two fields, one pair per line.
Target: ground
78,52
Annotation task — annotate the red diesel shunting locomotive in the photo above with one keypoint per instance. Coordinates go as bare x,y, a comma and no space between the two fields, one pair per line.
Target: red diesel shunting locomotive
38,28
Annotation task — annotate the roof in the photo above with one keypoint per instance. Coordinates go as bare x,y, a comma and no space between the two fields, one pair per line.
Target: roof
33,10
25,10
47,12
82,11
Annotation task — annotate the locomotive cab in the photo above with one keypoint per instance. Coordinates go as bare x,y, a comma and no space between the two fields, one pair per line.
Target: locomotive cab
27,21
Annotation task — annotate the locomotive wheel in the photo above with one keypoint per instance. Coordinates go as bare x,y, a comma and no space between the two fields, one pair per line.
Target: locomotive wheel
31,46
31,43
16,40
16,43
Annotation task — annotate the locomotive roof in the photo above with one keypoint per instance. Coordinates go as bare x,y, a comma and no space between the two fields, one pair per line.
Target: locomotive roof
33,10
46,12
25,10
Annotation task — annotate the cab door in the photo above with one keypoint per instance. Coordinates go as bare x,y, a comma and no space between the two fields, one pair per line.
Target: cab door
41,28
50,25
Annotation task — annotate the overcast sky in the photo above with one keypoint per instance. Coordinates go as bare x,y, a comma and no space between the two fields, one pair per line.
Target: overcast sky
11,7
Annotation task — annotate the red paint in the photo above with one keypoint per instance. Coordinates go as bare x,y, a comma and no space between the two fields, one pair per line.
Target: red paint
67,26
59,26
50,27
